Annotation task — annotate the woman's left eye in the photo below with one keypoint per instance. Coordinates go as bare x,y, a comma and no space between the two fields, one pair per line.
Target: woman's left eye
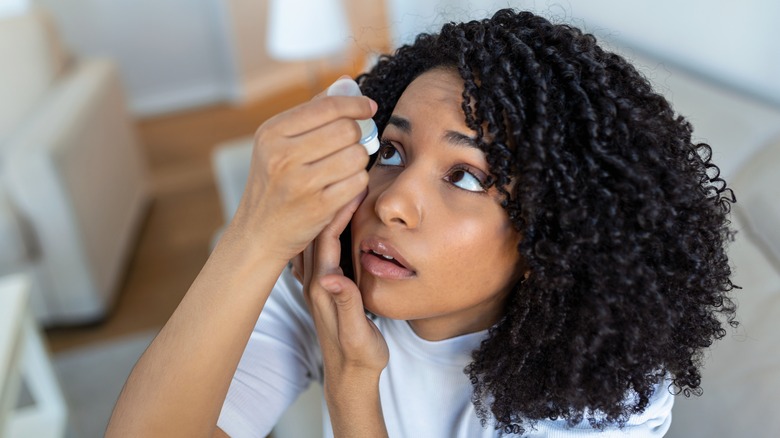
465,180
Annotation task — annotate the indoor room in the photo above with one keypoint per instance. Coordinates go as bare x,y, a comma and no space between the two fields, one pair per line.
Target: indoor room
127,130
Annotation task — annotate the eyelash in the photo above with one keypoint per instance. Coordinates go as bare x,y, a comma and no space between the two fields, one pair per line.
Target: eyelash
385,144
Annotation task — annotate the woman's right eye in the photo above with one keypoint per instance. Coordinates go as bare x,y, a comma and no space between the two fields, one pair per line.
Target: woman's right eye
388,155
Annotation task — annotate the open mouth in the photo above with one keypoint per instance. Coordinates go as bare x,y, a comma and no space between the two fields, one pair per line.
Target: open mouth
387,258
382,261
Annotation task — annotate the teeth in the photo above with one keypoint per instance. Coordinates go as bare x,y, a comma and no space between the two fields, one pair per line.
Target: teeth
386,257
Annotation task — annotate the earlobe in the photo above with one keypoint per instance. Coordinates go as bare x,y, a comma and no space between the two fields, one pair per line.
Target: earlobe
525,276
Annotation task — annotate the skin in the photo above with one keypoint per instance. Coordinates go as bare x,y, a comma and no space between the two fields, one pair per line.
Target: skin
425,202
460,243
306,166
306,181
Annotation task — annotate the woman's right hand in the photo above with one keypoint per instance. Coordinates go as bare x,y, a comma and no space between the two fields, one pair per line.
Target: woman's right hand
306,165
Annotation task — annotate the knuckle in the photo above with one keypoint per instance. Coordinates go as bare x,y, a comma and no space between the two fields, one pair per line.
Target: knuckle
358,154
352,131
260,136
320,298
362,178
278,162
267,128
346,131
344,301
330,106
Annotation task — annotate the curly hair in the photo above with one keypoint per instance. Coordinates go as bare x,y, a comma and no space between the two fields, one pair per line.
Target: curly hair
624,221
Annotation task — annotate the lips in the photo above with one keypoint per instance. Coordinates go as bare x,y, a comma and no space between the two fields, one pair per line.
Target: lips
380,259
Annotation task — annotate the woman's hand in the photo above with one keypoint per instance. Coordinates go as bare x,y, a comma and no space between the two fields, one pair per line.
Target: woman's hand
306,164
354,352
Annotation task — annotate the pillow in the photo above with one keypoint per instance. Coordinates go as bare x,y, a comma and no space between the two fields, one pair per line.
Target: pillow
741,373
757,188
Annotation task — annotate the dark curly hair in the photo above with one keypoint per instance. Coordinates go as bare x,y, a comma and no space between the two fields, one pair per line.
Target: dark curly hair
624,220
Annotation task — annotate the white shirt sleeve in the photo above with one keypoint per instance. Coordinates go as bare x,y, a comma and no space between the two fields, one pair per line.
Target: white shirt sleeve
280,360
653,422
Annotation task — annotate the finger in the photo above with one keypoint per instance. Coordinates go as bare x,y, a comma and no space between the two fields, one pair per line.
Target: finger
297,267
344,191
338,166
342,218
308,271
328,245
327,139
352,325
316,113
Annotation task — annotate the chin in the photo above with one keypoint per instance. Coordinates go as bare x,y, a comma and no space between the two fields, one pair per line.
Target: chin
384,310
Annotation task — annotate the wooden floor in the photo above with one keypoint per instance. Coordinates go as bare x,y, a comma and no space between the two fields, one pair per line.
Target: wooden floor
184,214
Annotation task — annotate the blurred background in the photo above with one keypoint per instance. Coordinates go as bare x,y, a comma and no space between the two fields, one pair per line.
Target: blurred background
125,127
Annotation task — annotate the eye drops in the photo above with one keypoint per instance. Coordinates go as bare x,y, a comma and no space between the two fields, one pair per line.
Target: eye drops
368,132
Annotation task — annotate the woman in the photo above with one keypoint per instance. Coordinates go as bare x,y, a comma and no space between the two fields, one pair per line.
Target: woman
540,247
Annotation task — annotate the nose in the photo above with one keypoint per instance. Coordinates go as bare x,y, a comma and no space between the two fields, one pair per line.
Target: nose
399,203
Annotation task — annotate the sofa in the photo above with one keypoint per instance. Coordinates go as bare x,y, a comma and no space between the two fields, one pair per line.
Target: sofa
73,187
741,374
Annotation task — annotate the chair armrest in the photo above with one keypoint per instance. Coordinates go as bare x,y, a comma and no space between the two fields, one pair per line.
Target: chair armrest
75,173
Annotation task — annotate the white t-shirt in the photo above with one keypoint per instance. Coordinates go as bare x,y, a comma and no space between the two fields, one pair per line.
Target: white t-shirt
423,390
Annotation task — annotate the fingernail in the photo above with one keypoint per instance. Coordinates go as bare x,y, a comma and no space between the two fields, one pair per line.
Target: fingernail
374,105
331,286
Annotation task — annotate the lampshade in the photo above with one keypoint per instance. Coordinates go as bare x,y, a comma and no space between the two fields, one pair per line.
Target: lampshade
306,29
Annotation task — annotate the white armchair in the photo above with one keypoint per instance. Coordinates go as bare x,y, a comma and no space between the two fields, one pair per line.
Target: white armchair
72,181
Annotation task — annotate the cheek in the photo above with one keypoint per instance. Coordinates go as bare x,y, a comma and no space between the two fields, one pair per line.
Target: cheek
489,251
479,245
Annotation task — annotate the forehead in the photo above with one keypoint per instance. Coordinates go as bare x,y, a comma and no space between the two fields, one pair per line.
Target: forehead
438,90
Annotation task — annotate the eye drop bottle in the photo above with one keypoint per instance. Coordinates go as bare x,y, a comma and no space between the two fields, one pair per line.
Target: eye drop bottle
369,134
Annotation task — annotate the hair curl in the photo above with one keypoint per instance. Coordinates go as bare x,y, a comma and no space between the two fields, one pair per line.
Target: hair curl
624,220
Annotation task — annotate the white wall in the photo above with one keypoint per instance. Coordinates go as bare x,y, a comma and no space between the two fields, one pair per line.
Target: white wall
733,43
9,8
695,47
180,53
169,51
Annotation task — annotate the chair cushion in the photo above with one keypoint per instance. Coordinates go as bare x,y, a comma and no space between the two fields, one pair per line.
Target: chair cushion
741,375
14,251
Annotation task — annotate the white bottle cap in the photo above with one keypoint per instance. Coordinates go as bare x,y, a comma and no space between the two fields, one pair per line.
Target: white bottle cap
369,134
371,140
344,87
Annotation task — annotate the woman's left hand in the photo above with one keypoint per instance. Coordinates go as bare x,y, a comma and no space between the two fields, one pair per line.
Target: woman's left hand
350,341
354,353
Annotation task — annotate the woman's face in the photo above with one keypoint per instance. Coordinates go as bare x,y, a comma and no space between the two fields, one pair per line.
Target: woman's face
454,250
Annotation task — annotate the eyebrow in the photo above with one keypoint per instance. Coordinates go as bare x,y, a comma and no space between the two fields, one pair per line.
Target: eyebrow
453,137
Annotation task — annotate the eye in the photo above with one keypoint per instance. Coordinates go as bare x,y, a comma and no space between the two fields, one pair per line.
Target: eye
465,180
388,155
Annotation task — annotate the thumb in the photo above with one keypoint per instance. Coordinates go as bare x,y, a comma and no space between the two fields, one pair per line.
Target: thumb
350,314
